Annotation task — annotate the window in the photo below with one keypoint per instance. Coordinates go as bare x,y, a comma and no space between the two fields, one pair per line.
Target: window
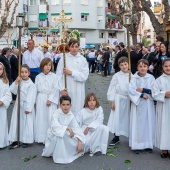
99,3
33,18
83,35
101,35
67,1
84,17
43,23
55,2
84,2
42,8
42,2
100,18
33,2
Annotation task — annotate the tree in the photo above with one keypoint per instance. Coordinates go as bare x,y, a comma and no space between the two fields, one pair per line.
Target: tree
145,42
119,7
5,25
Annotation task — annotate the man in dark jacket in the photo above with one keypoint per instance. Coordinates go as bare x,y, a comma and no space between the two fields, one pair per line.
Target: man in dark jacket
123,50
118,55
139,50
4,59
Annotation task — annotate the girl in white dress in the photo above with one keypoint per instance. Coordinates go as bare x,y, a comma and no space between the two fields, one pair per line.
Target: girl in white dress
90,119
27,111
47,98
161,93
5,99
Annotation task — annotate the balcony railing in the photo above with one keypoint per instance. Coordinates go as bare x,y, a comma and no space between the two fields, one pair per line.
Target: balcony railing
108,9
115,25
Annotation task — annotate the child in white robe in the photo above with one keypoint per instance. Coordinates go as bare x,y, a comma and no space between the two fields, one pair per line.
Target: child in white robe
117,94
5,100
142,115
161,93
90,119
47,98
65,139
27,112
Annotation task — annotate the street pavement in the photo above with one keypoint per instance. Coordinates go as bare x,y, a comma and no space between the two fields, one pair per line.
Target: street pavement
13,159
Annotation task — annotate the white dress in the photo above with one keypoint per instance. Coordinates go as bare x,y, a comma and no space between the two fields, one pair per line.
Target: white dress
98,134
58,143
5,98
75,83
160,87
142,116
118,122
47,89
28,95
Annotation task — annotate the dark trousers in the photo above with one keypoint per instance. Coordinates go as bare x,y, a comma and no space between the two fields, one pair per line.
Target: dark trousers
33,75
91,63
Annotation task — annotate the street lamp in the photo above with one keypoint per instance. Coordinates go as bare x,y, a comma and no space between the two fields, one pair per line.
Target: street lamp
127,20
20,23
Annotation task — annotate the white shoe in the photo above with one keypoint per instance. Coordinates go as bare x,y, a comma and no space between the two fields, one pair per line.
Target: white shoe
99,73
108,76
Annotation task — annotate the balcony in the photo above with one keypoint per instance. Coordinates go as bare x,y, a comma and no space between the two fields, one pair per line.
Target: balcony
113,25
108,10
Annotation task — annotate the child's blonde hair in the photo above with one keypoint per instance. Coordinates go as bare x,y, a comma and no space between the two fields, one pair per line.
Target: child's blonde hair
87,99
4,76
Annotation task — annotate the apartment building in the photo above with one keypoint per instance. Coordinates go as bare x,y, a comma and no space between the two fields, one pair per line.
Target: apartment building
92,18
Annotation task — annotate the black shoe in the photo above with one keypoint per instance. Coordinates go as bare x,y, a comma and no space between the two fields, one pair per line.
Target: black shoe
138,151
98,153
13,145
114,141
149,150
24,145
164,155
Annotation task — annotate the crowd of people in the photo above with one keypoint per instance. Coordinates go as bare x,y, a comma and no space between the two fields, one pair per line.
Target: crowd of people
70,123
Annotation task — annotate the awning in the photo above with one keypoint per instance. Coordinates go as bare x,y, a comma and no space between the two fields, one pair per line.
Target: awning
42,16
55,13
54,30
85,13
90,46
33,28
112,16
66,13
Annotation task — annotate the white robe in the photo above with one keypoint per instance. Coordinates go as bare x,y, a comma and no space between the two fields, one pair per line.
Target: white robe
162,138
5,98
75,83
48,55
47,89
118,122
98,134
28,95
58,143
142,116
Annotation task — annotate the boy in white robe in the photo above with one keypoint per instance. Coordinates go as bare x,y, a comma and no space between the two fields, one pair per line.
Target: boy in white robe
77,72
47,99
27,112
142,116
117,94
90,119
64,140
5,100
161,93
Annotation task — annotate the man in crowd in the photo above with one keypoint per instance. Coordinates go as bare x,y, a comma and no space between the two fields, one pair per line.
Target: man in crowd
32,57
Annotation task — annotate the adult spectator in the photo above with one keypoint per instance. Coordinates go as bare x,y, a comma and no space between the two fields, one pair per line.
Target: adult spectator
145,53
46,53
118,55
32,57
139,50
91,57
123,50
14,67
4,60
134,59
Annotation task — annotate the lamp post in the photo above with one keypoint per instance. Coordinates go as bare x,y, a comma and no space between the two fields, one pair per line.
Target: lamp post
127,20
20,22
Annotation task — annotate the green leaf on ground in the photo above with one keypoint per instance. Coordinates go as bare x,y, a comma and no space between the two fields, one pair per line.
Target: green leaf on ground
26,159
127,161
112,154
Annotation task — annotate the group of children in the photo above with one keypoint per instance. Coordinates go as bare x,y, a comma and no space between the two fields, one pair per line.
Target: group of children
66,136
133,107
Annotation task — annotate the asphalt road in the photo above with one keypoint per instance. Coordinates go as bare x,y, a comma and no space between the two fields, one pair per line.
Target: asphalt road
12,159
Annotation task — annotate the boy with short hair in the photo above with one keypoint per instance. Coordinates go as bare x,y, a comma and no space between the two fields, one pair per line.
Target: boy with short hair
117,94
77,72
64,137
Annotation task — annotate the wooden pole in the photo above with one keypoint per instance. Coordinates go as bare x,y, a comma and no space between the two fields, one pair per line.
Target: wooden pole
19,87
128,48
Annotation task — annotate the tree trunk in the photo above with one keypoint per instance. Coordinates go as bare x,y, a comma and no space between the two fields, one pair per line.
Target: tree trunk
134,38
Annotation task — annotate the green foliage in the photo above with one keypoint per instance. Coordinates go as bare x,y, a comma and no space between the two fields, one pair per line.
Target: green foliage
26,159
145,42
